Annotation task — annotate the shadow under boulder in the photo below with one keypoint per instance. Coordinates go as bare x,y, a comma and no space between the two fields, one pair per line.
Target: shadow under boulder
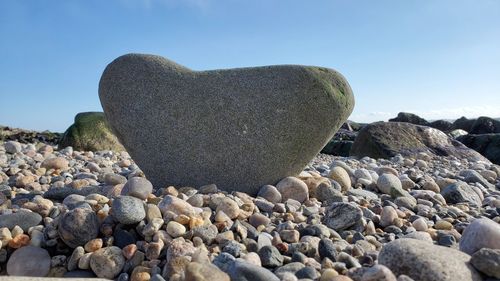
387,139
486,144
90,132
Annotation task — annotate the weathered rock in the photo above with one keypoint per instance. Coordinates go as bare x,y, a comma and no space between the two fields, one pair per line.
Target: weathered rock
29,261
487,261
23,219
78,226
485,125
441,125
293,188
182,126
387,139
481,233
128,209
341,216
460,192
424,261
90,132
138,187
107,262
487,144
410,118
464,124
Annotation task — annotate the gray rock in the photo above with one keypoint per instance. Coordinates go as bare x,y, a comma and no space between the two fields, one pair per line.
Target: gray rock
368,195
460,192
387,182
206,232
423,261
29,261
481,233
471,176
341,216
78,226
114,179
107,262
244,271
387,139
128,209
181,126
292,267
270,256
138,187
327,249
12,147
270,193
63,192
487,261
23,219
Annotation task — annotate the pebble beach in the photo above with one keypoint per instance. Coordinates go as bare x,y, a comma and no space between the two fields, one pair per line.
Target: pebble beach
68,213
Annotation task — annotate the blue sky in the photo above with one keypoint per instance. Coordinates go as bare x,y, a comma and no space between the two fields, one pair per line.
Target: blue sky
437,58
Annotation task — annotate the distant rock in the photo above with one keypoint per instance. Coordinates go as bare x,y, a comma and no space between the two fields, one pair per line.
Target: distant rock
90,132
338,147
442,125
410,118
27,136
488,145
257,125
485,125
386,139
463,123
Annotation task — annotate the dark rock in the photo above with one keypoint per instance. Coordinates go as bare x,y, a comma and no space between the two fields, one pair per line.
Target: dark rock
342,216
338,147
460,192
128,209
307,272
487,261
23,219
441,125
463,124
123,238
270,256
182,126
63,192
243,271
78,226
327,249
485,125
488,145
90,132
410,118
387,139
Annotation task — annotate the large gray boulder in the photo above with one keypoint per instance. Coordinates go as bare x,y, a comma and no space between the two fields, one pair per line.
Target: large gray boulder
486,144
387,139
238,128
424,261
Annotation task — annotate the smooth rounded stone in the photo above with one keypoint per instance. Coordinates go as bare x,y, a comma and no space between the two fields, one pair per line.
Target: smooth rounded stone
128,209
487,261
229,207
327,249
292,267
307,272
12,147
107,262
175,229
73,200
270,193
207,233
460,192
23,219
387,182
78,226
270,256
175,205
196,271
328,194
29,261
138,187
114,179
378,272
368,195
420,224
387,216
340,175
419,235
293,188
410,257
231,109
58,163
362,174
259,219
481,233
341,216
78,252
244,271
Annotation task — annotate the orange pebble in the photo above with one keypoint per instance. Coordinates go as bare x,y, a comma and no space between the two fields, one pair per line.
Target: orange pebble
19,241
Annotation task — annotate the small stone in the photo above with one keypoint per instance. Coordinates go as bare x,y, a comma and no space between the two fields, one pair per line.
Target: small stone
388,216
114,179
443,225
328,274
244,271
259,219
204,272
229,207
175,205
206,233
128,210
340,175
487,261
387,182
24,219
129,251
29,261
175,229
138,187
84,261
12,147
78,226
270,193
378,273
341,216
460,192
93,245
481,233
19,241
290,236
58,163
293,188
327,249
78,252
420,224
270,256
107,262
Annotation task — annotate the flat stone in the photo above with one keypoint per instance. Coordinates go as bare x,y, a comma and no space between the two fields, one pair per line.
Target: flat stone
341,216
424,261
78,226
23,219
481,233
138,187
128,209
29,261
244,271
182,126
460,192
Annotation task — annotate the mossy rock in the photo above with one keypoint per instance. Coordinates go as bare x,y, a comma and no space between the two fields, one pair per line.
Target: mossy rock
90,132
